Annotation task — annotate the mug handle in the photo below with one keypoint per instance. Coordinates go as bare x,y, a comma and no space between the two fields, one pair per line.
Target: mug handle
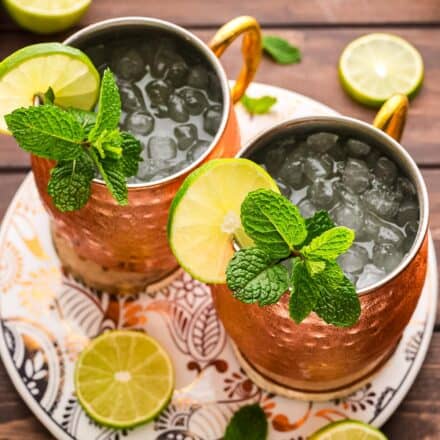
250,48
391,117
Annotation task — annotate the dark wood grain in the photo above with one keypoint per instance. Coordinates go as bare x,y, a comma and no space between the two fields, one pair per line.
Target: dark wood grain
316,76
276,12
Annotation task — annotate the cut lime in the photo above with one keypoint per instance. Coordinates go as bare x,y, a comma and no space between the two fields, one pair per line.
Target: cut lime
374,67
205,215
46,16
123,379
348,430
32,70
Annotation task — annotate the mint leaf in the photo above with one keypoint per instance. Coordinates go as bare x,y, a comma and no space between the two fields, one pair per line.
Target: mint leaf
337,304
330,244
113,174
46,131
49,96
253,277
109,106
249,423
281,50
84,118
69,184
314,266
318,224
272,222
304,294
258,106
131,150
108,144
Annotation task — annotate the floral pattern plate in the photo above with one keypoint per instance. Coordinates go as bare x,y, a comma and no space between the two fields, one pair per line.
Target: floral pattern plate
47,318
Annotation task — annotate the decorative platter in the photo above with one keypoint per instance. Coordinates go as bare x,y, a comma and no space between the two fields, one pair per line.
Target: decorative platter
46,319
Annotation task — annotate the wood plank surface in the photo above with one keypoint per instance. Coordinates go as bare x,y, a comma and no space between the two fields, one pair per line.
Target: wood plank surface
276,12
316,76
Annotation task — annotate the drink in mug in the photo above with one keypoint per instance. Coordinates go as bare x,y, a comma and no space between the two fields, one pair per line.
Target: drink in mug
361,187
171,98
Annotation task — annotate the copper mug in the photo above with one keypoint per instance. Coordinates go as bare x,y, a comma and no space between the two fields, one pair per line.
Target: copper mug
121,249
314,360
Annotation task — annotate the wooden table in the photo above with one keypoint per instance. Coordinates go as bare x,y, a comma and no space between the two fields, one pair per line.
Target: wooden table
321,28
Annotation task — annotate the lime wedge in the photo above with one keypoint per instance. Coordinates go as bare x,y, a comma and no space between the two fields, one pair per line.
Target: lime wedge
348,430
123,379
374,67
205,215
46,16
32,70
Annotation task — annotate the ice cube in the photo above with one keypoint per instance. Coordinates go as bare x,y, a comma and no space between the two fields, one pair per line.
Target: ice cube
148,50
161,111
149,167
372,158
408,211
385,170
345,194
354,259
389,233
194,99
295,152
406,187
307,208
292,173
321,193
139,122
198,77
285,189
128,64
349,215
214,88
162,148
411,229
370,228
212,119
357,148
185,134
163,60
382,202
322,142
177,109
131,97
338,153
370,275
274,158
356,175
159,91
197,150
318,166
386,256
177,73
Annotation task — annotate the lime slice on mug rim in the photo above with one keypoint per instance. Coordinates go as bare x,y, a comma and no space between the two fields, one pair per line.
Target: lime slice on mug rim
123,379
376,66
32,70
204,217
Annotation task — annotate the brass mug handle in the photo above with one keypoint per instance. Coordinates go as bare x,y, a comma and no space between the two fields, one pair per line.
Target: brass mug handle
391,117
250,48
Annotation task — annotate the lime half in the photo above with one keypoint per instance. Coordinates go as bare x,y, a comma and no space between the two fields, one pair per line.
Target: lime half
205,215
374,67
123,379
46,16
348,430
32,70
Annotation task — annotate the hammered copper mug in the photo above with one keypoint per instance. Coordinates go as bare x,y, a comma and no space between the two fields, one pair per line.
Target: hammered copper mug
314,360
121,249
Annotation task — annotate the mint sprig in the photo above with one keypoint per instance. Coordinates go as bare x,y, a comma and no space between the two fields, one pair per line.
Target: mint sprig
315,282
83,143
258,106
249,423
281,50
